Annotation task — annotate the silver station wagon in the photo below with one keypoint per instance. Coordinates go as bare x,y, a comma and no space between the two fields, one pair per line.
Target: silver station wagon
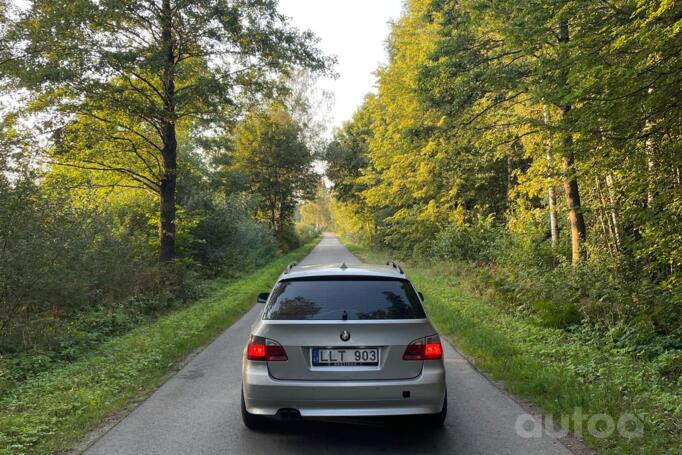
340,341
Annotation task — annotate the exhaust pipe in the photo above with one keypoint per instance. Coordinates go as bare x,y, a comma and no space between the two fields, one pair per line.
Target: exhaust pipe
289,414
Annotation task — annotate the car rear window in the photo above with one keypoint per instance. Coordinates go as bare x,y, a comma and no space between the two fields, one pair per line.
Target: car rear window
336,298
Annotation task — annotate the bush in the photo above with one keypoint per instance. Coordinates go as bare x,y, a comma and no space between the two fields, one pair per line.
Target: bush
288,238
557,313
473,241
306,233
227,239
523,273
58,256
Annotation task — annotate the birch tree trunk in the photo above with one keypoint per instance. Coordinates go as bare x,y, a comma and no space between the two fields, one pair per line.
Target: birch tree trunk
551,196
611,193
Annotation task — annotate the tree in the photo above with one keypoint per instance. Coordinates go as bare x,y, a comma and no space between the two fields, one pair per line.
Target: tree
316,213
121,80
346,154
271,155
497,71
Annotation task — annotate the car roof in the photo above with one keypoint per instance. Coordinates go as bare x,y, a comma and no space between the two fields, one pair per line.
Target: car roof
390,270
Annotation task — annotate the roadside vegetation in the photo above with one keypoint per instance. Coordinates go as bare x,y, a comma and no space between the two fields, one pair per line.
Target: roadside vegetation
153,155
533,149
52,409
558,370
143,149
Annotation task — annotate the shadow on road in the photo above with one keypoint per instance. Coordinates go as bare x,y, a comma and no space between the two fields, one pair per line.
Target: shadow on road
396,435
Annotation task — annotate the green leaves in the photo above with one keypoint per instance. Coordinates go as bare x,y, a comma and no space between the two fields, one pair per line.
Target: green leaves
276,164
524,113
117,84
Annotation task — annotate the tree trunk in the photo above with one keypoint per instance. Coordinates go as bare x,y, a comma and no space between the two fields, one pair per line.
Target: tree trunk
575,214
272,202
650,162
612,209
281,216
167,196
604,220
509,179
650,172
572,192
170,143
553,224
551,196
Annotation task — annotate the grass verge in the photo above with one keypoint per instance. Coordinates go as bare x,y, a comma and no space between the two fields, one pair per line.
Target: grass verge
562,372
53,410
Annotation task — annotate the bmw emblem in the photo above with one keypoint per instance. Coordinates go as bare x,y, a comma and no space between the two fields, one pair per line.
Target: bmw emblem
345,335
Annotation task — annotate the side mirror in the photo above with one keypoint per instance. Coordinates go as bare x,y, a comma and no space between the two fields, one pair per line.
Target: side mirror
421,296
263,297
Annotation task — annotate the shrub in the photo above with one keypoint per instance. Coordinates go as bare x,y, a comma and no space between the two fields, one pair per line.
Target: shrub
227,239
557,313
58,256
288,238
472,241
306,233
523,273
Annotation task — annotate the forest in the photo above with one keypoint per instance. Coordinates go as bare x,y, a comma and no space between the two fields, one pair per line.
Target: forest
145,148
538,144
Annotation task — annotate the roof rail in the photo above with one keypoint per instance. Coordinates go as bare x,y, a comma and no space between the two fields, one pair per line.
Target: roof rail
395,266
290,266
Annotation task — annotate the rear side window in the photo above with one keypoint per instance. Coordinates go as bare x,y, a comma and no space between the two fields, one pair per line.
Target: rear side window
352,299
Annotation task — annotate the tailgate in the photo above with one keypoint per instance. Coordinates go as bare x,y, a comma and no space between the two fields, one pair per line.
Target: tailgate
386,338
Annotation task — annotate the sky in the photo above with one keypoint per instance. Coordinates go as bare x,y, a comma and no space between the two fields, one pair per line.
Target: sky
353,30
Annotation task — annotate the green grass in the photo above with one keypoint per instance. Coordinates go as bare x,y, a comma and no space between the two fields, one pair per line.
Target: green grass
53,410
557,370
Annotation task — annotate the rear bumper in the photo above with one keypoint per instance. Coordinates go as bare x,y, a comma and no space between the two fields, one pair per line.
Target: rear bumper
264,395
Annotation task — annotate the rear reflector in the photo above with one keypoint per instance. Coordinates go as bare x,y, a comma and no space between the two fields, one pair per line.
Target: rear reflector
414,350
265,349
427,348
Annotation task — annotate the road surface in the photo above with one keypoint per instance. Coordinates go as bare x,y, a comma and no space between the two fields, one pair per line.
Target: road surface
197,411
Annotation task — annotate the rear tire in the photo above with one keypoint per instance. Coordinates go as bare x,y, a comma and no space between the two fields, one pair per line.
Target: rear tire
252,421
437,420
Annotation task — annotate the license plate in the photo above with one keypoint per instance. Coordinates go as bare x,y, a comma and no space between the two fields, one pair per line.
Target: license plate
326,357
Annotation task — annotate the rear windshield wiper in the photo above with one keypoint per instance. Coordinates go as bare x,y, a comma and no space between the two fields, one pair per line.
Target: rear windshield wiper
344,316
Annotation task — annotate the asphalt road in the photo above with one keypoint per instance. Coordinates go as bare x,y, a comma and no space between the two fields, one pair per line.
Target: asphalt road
197,411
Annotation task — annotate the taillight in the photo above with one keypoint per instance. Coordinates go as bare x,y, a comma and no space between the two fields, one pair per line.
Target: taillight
433,350
427,348
265,349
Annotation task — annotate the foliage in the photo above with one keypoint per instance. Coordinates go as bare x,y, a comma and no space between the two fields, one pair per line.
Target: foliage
532,150
276,166
58,256
117,85
538,140
227,238
111,150
51,410
467,242
316,213
558,370
346,154
115,118
68,249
